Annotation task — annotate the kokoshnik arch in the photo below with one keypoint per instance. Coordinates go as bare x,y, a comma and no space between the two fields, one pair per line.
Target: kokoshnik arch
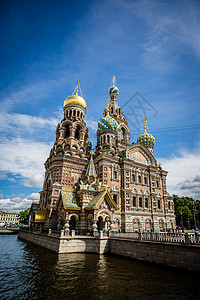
118,187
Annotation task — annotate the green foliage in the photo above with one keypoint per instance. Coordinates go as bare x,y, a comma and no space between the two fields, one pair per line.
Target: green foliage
23,216
184,211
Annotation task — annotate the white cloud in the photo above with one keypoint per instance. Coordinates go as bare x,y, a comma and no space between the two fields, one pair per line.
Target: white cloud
24,159
15,204
19,124
184,174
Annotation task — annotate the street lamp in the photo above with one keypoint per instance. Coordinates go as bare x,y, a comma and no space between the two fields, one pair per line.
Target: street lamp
195,223
182,220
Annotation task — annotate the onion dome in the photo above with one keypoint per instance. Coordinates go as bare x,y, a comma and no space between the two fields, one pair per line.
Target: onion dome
113,89
108,122
146,138
76,99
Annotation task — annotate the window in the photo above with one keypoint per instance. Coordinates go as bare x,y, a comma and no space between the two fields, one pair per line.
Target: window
122,134
133,177
169,206
159,204
157,183
114,175
67,131
108,139
146,202
140,202
134,201
115,198
139,179
145,180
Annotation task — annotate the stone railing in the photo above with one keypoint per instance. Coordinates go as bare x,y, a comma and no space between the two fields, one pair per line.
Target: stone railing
166,237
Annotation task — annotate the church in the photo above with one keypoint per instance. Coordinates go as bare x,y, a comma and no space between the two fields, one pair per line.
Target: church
117,186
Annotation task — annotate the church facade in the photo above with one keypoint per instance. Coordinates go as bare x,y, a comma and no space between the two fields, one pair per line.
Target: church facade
119,186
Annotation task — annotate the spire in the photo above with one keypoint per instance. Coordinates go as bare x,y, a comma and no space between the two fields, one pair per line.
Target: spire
76,89
91,172
113,80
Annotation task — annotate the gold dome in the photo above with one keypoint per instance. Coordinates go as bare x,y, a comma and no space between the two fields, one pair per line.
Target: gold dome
75,99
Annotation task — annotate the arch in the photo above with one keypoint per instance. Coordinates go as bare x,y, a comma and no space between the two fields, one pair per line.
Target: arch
68,154
148,224
100,223
136,224
73,223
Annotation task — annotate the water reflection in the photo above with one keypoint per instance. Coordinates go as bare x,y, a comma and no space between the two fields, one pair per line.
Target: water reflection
30,272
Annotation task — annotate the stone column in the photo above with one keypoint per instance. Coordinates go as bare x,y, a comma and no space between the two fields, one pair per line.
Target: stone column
72,130
66,228
94,228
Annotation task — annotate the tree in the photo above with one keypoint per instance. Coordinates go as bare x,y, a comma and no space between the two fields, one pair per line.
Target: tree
23,216
184,211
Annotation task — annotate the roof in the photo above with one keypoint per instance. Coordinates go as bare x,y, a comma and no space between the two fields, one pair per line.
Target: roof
69,199
98,197
39,217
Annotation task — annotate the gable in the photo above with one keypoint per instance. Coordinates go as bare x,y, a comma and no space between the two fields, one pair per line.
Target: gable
102,199
140,154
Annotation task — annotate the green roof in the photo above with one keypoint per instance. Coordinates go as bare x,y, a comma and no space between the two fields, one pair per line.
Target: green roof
69,199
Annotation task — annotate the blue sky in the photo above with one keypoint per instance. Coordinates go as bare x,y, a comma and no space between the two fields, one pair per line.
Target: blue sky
153,49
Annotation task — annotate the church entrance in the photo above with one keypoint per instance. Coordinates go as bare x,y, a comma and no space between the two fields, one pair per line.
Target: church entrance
100,224
72,223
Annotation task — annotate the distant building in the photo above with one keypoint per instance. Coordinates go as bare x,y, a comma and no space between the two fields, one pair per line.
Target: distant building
8,217
118,186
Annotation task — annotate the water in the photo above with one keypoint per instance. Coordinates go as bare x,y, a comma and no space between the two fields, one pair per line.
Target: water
31,272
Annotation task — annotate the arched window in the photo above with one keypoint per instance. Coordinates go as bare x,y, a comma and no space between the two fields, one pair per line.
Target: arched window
74,113
67,131
70,112
104,139
122,133
77,132
108,139
78,112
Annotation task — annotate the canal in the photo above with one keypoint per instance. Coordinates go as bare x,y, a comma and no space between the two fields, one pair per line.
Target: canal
31,272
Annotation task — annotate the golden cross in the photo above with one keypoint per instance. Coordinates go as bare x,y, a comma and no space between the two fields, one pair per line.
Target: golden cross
143,121
77,86
113,80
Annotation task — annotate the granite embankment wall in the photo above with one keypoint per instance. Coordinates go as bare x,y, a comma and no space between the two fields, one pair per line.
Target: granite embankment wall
169,254
175,255
67,244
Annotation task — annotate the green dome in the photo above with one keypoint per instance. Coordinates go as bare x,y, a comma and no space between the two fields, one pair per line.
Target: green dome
146,139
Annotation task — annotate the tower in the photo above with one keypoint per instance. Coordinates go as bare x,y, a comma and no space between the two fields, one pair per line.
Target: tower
68,157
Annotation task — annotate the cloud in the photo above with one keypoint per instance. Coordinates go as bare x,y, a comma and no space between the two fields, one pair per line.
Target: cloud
184,175
15,204
24,160
33,196
14,124
18,202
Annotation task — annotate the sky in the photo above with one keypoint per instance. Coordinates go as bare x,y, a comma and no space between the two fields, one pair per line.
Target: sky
153,49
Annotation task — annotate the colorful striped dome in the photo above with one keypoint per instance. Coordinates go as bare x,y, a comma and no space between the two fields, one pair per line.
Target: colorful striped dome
108,123
113,90
146,139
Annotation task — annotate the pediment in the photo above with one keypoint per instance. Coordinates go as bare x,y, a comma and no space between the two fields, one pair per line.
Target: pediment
140,154
102,200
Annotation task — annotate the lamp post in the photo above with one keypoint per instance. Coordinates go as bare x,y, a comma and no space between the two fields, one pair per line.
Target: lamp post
195,223
182,220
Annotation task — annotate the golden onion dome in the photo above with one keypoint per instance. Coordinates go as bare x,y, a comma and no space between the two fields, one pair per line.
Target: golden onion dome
76,99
